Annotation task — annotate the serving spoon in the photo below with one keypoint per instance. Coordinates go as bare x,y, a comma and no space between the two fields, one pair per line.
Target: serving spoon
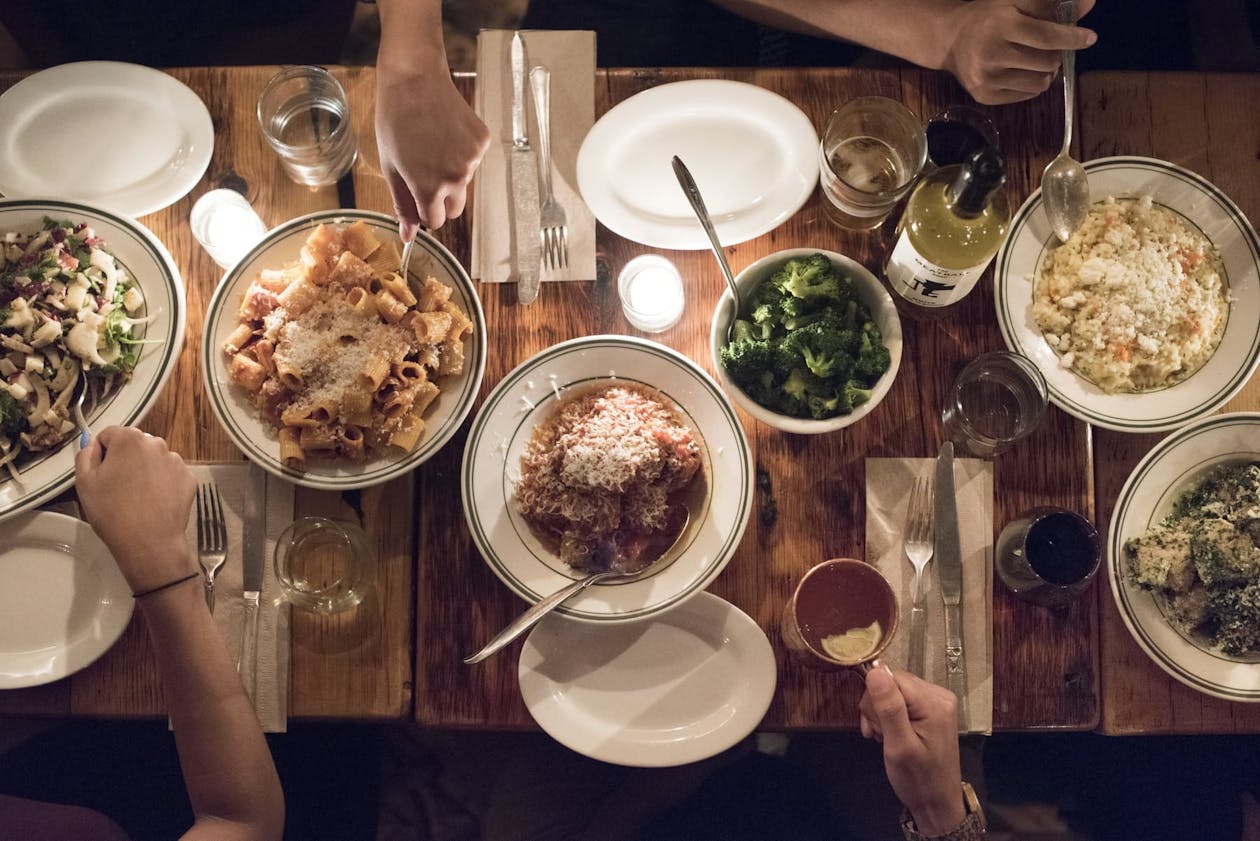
1064,185
531,617
692,192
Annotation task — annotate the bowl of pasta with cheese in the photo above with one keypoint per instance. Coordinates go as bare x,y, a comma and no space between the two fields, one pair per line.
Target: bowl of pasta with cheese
327,366
90,302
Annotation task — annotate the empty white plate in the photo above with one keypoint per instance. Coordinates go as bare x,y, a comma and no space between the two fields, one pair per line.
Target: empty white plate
679,688
754,156
126,136
63,601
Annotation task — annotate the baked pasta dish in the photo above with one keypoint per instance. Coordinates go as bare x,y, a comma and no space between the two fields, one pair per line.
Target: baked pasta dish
340,354
69,314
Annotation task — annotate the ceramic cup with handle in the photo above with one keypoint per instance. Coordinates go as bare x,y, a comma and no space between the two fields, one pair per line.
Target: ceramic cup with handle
842,615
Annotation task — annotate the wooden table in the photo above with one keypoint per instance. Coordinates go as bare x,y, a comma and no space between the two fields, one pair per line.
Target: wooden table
357,665
1191,120
1045,664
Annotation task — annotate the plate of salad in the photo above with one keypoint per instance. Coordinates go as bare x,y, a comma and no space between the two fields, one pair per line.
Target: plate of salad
89,300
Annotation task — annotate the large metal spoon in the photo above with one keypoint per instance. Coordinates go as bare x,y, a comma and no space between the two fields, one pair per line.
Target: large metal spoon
531,617
1064,185
697,204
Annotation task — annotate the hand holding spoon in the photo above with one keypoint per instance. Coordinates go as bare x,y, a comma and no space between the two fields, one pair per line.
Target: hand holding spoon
1064,185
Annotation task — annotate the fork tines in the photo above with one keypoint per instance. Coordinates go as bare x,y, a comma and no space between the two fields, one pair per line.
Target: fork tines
211,528
555,246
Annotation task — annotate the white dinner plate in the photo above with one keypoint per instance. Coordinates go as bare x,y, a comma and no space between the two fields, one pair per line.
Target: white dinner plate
1145,500
124,135
526,396
44,475
235,408
63,601
754,156
683,687
1201,204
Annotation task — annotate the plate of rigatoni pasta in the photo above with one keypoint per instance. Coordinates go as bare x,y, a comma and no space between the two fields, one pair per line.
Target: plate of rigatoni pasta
331,368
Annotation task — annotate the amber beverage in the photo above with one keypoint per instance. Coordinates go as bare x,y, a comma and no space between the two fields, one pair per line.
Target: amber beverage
837,598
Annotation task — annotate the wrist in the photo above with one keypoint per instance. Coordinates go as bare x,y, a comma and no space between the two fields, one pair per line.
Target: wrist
957,818
934,819
154,565
944,32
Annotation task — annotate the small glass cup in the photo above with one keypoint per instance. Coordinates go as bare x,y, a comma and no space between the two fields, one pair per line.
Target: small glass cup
226,226
305,117
1048,556
998,399
325,566
837,598
955,133
871,153
651,292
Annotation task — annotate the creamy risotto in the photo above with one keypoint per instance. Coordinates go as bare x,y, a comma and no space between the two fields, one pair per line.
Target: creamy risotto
1135,300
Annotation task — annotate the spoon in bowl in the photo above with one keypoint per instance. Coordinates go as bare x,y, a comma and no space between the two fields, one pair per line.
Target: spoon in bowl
1064,185
697,204
531,617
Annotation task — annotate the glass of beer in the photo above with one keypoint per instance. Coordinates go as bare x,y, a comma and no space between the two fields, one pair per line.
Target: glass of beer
871,153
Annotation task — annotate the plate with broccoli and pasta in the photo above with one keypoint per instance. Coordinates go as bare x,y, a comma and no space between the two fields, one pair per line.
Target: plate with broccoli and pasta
1184,555
89,301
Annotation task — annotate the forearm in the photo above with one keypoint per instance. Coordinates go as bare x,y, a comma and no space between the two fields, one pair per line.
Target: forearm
411,39
919,31
227,767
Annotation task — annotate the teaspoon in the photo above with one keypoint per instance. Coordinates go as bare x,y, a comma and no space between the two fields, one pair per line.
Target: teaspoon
697,204
1064,185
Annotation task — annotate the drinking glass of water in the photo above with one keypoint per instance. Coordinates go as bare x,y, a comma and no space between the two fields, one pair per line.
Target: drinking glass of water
305,117
324,566
1048,556
871,154
998,399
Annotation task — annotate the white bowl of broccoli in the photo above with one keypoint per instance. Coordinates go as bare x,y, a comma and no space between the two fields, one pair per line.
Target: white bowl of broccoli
817,343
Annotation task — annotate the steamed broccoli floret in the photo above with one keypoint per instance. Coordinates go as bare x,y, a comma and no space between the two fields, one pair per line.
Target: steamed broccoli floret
742,329
747,359
855,394
808,277
827,407
12,416
824,348
873,358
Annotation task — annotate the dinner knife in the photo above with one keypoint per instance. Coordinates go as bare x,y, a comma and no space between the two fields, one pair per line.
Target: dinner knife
524,168
253,545
948,558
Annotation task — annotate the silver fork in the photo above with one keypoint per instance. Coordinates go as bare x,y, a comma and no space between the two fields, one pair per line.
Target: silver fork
552,222
211,536
918,544
82,390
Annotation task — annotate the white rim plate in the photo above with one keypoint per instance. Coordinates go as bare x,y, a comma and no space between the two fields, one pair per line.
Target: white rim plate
1204,206
147,261
1146,498
104,131
62,596
681,688
256,438
753,154
525,397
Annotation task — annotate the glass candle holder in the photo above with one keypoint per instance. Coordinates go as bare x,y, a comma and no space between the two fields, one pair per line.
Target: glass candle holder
226,226
651,293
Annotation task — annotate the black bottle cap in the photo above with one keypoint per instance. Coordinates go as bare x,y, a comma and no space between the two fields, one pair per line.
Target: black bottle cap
982,175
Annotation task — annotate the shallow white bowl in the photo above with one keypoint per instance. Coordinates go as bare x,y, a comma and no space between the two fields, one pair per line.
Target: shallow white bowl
256,438
869,290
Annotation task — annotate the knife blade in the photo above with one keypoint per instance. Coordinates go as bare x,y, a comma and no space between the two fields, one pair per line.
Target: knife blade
253,549
524,168
948,559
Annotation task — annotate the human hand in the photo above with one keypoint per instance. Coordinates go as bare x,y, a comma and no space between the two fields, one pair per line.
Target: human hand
916,721
430,142
1006,51
137,495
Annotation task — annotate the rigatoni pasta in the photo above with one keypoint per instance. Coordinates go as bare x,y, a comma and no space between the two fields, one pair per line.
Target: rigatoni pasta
339,353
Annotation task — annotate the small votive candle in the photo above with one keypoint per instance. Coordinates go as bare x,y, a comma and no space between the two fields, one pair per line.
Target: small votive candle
226,226
651,293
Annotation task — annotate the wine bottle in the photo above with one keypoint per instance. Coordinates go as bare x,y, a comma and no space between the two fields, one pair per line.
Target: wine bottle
952,226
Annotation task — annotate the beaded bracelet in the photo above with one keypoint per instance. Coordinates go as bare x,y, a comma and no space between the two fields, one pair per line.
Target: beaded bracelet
189,577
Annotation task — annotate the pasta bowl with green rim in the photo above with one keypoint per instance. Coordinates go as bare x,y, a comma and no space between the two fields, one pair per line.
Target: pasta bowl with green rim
42,476
1201,205
256,437
527,396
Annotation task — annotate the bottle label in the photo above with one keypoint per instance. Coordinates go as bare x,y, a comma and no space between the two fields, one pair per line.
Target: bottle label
925,283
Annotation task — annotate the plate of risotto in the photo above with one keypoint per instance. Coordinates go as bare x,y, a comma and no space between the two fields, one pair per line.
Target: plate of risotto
1148,317
607,453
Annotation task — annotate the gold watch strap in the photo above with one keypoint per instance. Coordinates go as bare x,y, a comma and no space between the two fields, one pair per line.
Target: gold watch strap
971,829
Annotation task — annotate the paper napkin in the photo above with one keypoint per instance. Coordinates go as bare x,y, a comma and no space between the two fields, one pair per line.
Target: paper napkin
570,57
271,702
888,483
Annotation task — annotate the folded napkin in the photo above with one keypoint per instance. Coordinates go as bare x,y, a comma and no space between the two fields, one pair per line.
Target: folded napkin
570,57
271,702
888,483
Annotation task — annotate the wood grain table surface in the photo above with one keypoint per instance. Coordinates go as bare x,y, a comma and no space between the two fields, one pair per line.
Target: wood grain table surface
1193,120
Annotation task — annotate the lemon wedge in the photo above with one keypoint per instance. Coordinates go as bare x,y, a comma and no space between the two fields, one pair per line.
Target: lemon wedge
855,644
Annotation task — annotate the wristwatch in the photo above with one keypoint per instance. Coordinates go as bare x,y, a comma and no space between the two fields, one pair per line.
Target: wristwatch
971,829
